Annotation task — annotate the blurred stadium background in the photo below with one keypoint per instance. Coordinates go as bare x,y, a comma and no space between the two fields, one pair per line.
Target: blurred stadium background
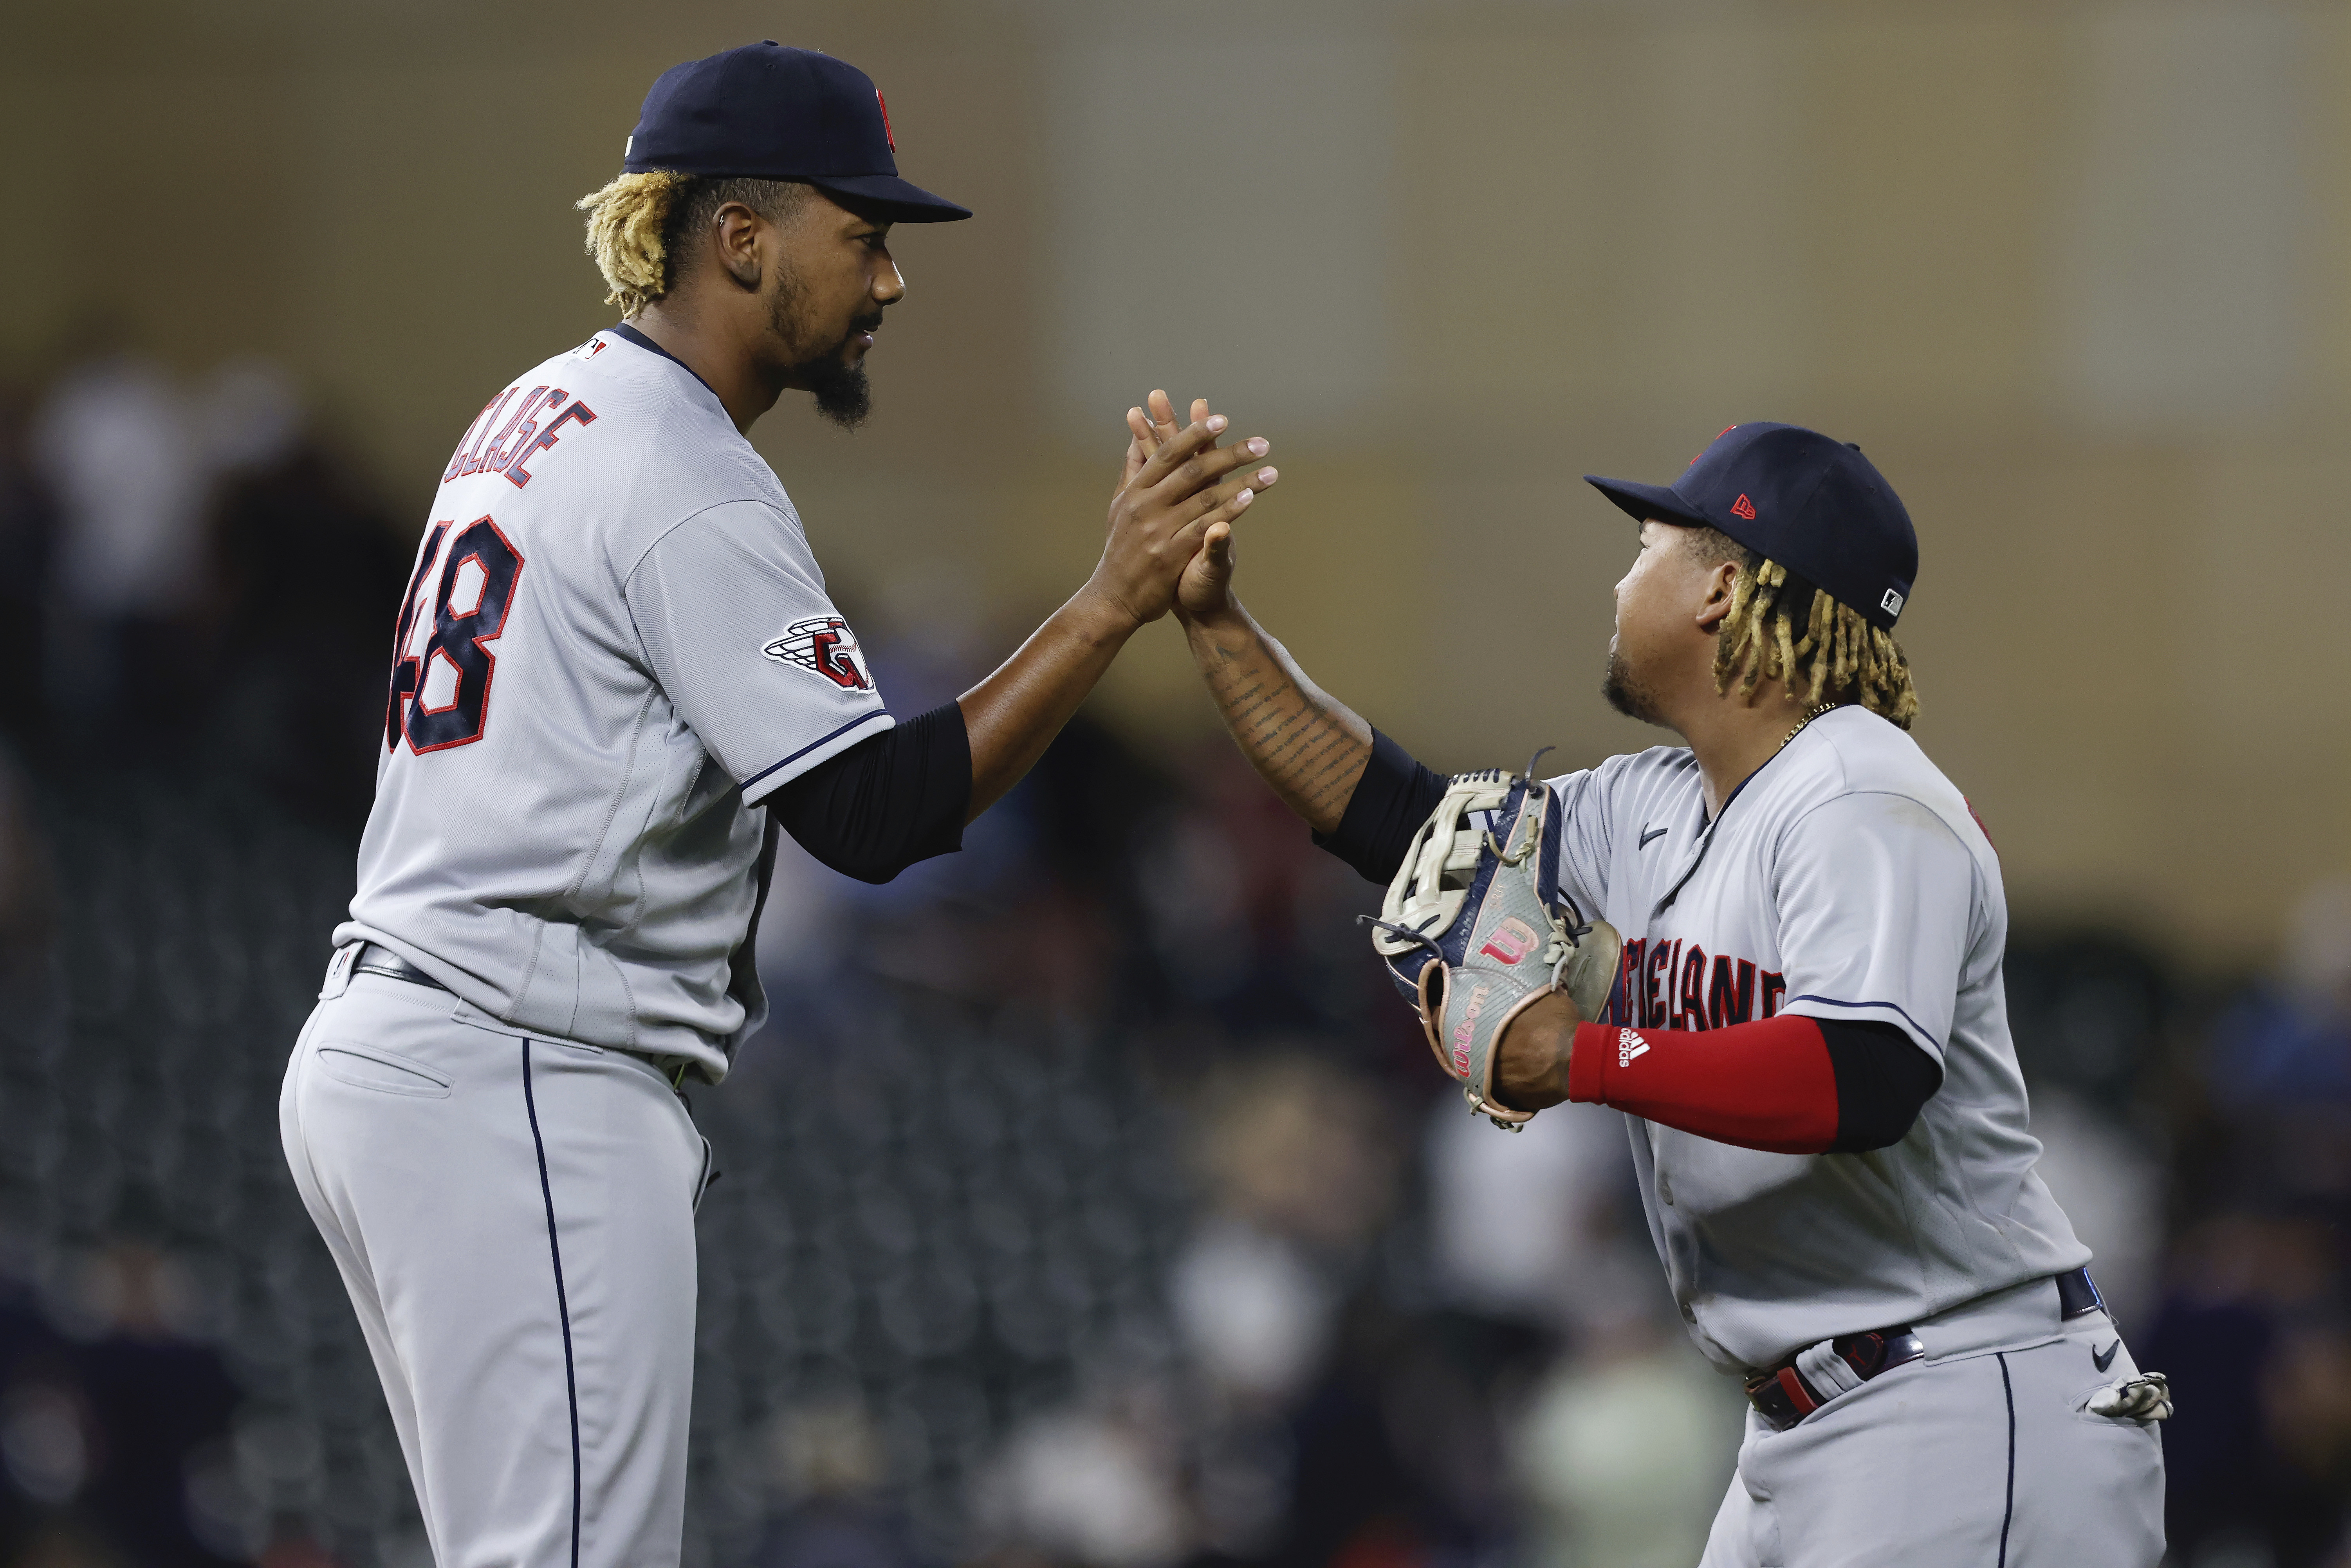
1089,1203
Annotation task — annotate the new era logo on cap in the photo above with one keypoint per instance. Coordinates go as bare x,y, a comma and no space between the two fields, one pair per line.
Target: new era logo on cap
1743,506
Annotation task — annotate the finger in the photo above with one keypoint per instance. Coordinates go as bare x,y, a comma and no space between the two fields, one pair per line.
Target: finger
1216,542
1210,502
1181,448
1203,468
1199,409
1192,535
1163,414
1146,433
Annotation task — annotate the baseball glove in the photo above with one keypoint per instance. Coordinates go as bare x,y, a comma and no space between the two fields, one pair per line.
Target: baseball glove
1475,928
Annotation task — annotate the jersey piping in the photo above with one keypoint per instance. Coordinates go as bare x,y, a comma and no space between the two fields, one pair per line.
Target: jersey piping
750,790
629,334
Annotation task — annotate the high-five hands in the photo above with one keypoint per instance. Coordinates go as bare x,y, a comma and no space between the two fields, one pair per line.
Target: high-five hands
1204,584
1175,487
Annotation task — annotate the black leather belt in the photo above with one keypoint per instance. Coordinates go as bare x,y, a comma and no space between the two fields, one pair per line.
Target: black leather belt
375,959
1785,1396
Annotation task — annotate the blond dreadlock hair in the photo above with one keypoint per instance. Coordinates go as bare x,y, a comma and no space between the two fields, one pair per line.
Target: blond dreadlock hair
635,225
1822,651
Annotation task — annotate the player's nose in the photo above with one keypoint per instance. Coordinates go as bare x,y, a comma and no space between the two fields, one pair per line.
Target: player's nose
889,284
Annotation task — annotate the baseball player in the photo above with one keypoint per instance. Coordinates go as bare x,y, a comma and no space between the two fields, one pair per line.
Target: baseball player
617,676
1806,1032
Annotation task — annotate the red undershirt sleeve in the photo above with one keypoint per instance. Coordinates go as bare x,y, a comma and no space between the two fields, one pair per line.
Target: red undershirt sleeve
1790,1084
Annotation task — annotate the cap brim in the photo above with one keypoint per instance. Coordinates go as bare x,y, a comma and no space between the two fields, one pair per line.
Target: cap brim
889,197
1643,502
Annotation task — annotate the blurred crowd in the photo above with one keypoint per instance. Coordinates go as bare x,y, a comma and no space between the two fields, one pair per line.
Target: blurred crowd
1107,1214
191,575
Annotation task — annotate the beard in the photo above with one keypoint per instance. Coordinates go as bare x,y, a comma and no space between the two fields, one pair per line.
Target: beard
1625,694
842,394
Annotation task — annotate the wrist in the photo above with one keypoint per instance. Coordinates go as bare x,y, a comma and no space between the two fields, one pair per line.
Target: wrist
1532,1060
1227,622
1096,613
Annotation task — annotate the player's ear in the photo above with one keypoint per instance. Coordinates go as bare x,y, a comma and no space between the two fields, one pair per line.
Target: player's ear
1716,605
736,231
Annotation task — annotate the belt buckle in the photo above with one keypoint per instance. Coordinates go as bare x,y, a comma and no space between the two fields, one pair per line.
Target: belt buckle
1782,1396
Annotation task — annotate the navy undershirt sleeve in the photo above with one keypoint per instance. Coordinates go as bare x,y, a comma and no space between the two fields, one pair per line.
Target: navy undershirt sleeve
1882,1081
1392,800
886,802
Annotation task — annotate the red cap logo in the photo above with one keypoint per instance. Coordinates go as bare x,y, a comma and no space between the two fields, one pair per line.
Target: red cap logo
884,102
1743,508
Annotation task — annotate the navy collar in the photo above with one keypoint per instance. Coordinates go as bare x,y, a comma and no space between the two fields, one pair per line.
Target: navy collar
623,331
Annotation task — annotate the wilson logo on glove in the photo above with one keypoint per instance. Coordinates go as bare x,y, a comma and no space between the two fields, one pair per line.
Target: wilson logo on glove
823,643
1628,1046
1512,940
1467,1030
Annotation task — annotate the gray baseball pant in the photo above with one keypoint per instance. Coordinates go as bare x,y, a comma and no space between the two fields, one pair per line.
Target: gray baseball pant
514,1218
1981,1454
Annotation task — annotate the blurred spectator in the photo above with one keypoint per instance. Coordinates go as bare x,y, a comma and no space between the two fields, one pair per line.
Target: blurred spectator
1299,1173
1625,1448
1095,1484
2288,1043
307,578
105,1399
1248,921
115,443
29,524
1533,1226
2253,1459
827,1464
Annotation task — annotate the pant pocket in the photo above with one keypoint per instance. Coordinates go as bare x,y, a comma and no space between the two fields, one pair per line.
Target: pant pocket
372,1067
708,1174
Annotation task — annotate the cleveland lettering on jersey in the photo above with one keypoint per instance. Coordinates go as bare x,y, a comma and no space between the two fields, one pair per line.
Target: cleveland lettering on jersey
1670,989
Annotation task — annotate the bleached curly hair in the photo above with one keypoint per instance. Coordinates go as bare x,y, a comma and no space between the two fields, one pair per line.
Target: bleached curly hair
636,224
1822,651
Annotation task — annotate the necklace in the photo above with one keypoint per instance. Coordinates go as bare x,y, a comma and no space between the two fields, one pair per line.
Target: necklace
1810,714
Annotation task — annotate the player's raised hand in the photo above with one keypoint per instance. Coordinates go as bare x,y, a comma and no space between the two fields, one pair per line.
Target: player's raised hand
1185,484
1151,425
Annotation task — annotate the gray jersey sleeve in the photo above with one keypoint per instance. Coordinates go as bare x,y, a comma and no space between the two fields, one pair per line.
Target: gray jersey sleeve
1876,901
737,627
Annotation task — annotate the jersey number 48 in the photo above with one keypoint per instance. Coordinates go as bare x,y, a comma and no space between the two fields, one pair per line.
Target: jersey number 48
441,691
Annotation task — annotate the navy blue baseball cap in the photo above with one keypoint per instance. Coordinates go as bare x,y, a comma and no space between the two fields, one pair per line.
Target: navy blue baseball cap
1814,505
769,112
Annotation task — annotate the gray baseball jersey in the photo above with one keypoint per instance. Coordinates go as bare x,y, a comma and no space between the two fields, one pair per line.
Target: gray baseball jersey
1846,879
615,644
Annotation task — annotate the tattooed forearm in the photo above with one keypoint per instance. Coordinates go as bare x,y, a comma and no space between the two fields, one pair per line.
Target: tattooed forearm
1309,746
